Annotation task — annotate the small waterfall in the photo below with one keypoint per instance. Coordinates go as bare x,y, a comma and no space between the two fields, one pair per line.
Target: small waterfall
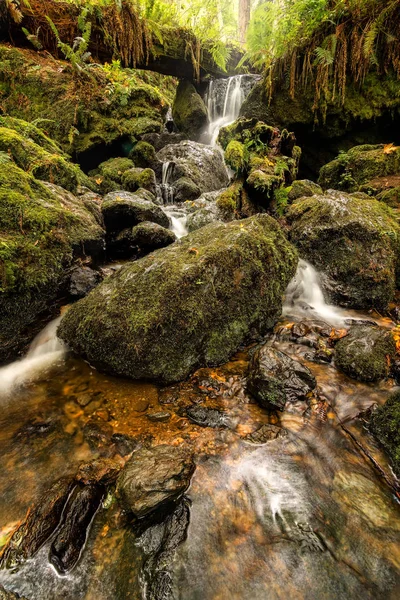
224,99
165,189
178,218
305,298
45,350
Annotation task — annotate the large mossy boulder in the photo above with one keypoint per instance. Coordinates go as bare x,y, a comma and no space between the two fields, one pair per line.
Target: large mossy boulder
109,106
359,166
365,353
385,425
354,241
201,164
189,111
43,228
189,305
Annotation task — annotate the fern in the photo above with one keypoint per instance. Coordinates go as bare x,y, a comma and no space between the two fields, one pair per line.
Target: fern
369,40
324,56
4,158
77,54
33,38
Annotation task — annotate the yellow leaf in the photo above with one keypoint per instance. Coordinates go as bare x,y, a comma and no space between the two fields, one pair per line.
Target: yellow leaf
388,148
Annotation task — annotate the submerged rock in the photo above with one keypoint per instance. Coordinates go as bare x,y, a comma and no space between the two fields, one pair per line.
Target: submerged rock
208,417
365,353
189,111
354,241
385,425
266,433
275,378
202,164
124,209
153,477
40,523
71,536
185,306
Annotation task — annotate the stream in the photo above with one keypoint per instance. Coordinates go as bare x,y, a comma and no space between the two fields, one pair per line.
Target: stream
304,515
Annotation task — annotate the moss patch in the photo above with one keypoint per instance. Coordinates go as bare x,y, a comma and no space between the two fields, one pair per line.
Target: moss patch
385,425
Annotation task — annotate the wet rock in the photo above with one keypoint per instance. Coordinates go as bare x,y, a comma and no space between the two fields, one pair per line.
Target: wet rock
124,444
71,536
385,425
207,417
102,470
83,280
97,434
160,140
365,353
39,524
136,178
275,378
226,281
354,241
266,433
169,395
202,164
202,217
122,210
153,477
185,189
160,417
151,236
189,111
34,428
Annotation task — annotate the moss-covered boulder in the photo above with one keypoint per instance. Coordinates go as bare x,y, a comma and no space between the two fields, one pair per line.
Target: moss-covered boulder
188,305
202,217
263,157
354,241
201,164
36,154
302,188
122,210
390,197
43,228
136,178
365,353
185,189
110,105
360,165
143,155
114,168
149,236
189,111
385,425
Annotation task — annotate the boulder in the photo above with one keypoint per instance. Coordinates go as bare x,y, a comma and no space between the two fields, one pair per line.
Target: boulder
354,241
360,165
114,168
365,353
149,236
83,280
43,230
160,140
390,197
203,217
302,188
189,111
143,155
136,178
189,305
122,210
385,425
202,164
153,477
208,417
275,378
185,189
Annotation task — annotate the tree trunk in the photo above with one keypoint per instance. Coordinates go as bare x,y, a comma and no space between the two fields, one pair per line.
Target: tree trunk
244,19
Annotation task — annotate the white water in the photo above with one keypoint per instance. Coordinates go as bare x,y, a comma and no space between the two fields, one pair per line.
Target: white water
224,100
178,218
304,297
166,190
45,351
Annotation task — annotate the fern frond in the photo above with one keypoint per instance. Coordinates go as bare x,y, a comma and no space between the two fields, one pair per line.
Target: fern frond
324,56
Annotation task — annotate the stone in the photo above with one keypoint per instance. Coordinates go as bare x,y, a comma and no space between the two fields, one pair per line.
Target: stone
266,433
136,178
153,477
385,425
160,140
354,241
149,236
188,305
83,280
202,164
101,470
275,378
185,189
189,111
207,417
301,188
122,210
203,217
365,353
159,417
114,168
66,547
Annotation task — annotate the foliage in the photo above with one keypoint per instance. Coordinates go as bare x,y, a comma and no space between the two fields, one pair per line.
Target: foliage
78,53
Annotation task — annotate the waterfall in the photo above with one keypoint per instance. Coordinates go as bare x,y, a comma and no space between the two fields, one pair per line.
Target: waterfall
165,190
305,298
224,99
45,350
178,217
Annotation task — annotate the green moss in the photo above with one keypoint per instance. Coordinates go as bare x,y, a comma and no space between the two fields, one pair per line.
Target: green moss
228,201
236,156
385,425
189,111
133,179
143,154
390,197
114,168
186,305
281,197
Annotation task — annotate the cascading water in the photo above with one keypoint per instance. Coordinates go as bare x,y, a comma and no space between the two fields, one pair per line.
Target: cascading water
45,351
175,213
224,99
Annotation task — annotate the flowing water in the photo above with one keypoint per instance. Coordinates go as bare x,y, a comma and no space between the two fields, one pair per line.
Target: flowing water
305,515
